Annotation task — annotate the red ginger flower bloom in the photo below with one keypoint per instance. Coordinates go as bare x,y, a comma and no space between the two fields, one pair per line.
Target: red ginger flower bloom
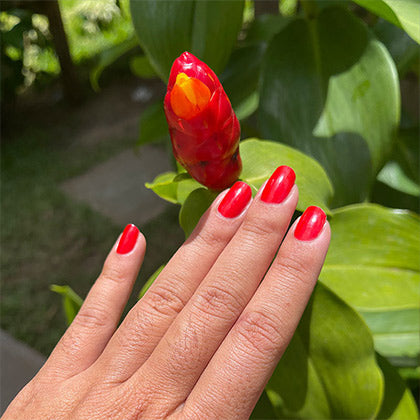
203,127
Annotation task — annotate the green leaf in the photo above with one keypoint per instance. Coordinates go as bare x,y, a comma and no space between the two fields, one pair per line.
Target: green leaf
329,368
396,334
403,13
165,187
150,281
264,409
264,27
197,202
215,29
393,176
109,56
404,51
332,93
241,75
398,403
408,152
206,28
153,125
72,302
141,67
373,264
173,188
261,157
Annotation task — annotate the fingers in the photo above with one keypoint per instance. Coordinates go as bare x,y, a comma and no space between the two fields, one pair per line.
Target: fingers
98,317
199,329
235,377
149,320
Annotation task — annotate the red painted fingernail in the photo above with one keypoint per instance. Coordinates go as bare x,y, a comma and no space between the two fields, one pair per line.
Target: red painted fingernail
279,185
310,224
235,200
128,239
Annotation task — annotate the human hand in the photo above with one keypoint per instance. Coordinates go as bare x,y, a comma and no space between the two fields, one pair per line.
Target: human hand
207,335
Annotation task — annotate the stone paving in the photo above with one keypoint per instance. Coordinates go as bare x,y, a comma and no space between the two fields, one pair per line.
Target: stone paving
116,188
18,365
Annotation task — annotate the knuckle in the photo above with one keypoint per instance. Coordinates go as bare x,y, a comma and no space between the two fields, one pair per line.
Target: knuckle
260,333
93,316
210,237
218,302
262,227
296,268
113,273
164,300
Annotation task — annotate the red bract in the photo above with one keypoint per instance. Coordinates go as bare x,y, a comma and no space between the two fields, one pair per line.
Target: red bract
203,127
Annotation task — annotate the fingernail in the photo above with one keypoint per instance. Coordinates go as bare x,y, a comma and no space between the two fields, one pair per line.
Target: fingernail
279,185
128,239
235,200
310,224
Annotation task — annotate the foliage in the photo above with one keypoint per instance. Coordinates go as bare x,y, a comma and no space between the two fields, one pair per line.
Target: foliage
321,87
98,33
321,84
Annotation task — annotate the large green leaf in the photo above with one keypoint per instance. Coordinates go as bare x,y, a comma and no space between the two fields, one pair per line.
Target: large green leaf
261,157
332,93
404,51
398,403
403,13
206,28
329,369
373,264
241,76
396,334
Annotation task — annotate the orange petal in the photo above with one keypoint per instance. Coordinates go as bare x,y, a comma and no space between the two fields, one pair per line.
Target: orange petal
189,96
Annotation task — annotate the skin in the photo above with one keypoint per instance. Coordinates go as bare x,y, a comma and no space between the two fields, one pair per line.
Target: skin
202,342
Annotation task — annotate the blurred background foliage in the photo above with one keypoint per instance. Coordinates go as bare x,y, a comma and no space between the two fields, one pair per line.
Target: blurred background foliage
335,79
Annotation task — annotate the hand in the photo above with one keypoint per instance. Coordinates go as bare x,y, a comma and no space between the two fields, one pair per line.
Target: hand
205,338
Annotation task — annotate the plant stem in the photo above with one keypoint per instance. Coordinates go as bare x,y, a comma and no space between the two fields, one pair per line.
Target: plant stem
310,8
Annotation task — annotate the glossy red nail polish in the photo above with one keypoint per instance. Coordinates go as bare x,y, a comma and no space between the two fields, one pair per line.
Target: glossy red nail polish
128,239
235,200
310,224
279,185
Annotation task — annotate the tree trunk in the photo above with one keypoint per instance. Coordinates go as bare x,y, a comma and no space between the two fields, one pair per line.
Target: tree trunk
262,7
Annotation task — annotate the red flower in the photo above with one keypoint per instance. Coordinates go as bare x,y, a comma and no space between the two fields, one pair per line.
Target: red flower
203,127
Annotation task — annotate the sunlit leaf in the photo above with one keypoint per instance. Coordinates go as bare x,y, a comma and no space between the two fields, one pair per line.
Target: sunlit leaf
205,28
373,264
329,370
403,13
332,93
398,402
261,157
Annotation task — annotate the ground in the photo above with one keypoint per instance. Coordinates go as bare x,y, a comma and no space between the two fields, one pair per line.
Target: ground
47,236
